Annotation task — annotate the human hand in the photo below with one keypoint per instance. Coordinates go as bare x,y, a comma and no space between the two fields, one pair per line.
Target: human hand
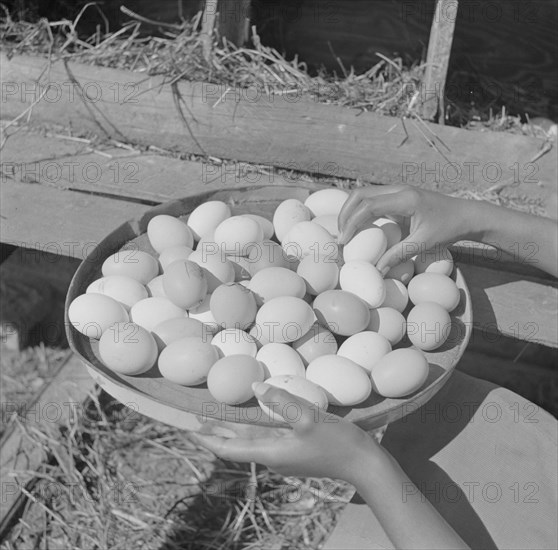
428,219
319,444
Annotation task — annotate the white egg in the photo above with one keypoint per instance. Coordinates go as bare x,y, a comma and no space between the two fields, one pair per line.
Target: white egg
388,322
280,359
316,342
318,274
150,312
399,373
155,287
403,271
206,217
236,234
92,314
309,238
434,261
326,202
166,231
233,341
273,282
391,229
428,325
345,383
125,290
265,224
329,223
365,349
298,386
203,314
131,263
284,319
172,254
434,287
397,296
364,280
217,268
368,245
288,214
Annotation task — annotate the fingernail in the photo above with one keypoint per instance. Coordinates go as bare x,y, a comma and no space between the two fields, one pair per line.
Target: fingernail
384,270
260,388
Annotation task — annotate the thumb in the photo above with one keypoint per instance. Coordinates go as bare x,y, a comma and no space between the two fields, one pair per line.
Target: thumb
397,254
294,410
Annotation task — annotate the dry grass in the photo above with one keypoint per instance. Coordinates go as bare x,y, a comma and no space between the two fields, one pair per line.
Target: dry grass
118,480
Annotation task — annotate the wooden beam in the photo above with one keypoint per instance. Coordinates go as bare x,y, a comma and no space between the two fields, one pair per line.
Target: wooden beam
437,61
277,130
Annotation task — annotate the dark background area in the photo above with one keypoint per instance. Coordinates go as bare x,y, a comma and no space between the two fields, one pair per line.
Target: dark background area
505,52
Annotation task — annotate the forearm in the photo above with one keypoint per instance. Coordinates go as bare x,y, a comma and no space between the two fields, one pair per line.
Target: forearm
407,517
530,239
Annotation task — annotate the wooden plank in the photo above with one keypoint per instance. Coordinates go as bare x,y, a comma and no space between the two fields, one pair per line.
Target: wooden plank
525,308
56,405
281,130
437,61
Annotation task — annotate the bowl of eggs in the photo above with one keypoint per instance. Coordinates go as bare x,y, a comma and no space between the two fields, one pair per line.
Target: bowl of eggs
176,314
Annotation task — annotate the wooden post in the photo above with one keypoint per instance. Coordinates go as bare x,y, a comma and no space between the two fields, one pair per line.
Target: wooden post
439,50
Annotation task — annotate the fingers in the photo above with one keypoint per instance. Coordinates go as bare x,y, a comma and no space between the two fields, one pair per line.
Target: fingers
358,195
295,411
398,253
240,450
398,203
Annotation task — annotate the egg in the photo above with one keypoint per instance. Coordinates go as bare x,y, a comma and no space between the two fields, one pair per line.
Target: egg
314,396
187,361
329,223
341,312
368,246
403,272
155,287
434,287
428,325
233,341
318,274
230,379
173,253
124,290
132,263
185,284
273,282
345,383
202,313
316,342
265,224
364,280
326,202
280,359
177,328
434,261
397,296
92,314
128,349
399,373
233,306
391,229
268,254
216,268
241,267
309,238
150,312
206,217
389,323
235,235
284,319
365,349
166,231
287,214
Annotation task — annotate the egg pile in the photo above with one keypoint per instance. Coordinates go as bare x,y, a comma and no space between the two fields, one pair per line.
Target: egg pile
235,299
